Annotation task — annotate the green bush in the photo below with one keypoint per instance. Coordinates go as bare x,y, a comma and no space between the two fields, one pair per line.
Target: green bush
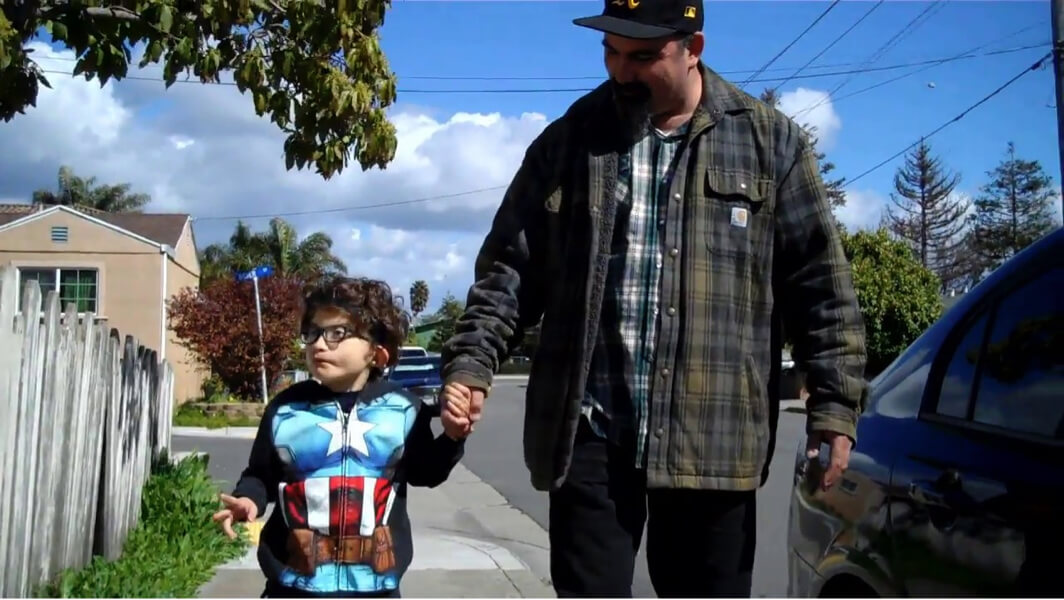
899,298
188,415
172,551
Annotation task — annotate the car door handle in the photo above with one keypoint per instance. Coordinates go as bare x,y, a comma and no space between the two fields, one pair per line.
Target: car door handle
927,494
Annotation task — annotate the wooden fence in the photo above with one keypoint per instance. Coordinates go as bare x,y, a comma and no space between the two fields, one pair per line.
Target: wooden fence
83,412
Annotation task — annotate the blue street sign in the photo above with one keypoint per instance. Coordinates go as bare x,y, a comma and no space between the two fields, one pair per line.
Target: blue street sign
259,272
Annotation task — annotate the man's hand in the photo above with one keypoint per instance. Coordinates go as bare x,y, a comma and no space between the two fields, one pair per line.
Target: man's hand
840,454
454,411
236,509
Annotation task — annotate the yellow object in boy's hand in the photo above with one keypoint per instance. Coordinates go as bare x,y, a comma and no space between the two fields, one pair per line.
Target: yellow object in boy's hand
254,530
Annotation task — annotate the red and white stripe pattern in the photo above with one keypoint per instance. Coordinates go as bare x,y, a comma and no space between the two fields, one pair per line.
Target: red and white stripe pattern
319,503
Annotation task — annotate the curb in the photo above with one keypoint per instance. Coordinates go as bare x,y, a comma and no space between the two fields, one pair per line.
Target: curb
247,433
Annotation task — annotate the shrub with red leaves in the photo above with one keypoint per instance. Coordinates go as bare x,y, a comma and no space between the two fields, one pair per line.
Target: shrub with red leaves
218,325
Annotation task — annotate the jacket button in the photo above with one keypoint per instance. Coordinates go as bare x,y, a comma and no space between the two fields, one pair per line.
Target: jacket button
674,252
665,372
672,310
659,432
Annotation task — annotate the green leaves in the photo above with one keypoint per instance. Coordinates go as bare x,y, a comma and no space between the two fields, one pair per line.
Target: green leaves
316,68
172,551
899,298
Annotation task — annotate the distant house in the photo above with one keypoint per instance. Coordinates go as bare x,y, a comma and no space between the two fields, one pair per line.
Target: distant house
120,266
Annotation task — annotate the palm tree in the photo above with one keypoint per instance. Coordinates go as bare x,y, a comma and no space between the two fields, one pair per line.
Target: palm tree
72,190
419,297
278,247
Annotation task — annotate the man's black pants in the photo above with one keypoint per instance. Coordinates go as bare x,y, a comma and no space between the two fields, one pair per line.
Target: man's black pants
699,543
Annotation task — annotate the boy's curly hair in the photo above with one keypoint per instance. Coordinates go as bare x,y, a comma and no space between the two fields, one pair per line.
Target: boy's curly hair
368,305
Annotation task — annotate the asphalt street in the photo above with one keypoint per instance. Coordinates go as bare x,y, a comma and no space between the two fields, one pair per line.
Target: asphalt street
494,454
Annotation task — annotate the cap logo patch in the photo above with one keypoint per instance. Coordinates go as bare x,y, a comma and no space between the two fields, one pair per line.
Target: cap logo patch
688,12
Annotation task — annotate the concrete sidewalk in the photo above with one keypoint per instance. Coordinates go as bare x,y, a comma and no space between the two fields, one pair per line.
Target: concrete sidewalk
468,543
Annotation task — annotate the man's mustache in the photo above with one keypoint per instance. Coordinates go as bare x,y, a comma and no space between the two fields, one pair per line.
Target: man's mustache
632,92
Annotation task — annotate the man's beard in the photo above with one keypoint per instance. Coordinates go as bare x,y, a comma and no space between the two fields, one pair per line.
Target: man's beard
632,101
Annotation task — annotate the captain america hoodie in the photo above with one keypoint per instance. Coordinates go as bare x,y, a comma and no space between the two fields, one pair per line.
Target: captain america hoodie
337,467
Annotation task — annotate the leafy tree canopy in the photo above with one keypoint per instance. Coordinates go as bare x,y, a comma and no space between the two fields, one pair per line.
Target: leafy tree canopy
315,67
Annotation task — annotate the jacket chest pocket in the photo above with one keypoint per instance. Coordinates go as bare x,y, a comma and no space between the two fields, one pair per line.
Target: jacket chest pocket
735,214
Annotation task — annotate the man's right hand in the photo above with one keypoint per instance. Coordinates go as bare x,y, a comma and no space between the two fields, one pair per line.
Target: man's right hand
236,509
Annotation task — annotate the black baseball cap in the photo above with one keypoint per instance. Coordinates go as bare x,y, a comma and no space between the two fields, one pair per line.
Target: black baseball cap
647,19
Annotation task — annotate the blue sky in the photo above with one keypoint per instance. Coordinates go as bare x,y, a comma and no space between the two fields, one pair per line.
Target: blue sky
537,39
200,150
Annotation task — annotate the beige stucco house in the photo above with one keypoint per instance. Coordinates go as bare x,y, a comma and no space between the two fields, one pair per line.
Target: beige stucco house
121,266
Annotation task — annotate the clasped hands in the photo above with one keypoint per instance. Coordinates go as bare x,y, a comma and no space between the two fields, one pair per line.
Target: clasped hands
460,409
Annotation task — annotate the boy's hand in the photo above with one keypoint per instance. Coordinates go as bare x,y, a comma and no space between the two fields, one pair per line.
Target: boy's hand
236,509
454,411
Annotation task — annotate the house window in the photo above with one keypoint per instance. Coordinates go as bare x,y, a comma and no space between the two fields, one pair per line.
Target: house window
76,286
60,234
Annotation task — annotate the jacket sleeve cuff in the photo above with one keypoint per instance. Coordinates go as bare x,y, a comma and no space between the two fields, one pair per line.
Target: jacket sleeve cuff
469,380
830,416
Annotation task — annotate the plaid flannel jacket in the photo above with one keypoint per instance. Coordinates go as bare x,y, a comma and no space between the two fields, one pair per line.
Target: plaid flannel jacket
751,249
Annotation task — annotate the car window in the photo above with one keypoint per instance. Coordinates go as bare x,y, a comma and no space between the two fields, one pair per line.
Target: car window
1019,382
956,393
1021,385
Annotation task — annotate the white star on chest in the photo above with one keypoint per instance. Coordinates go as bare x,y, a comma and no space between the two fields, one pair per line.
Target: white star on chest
353,437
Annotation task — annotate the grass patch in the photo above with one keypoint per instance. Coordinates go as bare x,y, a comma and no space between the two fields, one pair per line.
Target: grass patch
172,551
190,416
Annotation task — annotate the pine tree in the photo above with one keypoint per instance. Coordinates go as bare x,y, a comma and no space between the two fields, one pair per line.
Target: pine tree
1013,211
927,215
834,187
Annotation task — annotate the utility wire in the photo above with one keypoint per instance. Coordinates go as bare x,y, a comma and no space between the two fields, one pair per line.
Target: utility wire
538,77
932,62
879,53
321,211
1034,67
850,182
829,46
823,14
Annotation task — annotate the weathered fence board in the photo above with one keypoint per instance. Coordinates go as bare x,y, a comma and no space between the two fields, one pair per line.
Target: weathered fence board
83,412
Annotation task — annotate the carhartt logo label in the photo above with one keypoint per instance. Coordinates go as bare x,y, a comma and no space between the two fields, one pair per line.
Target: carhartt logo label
689,12
739,217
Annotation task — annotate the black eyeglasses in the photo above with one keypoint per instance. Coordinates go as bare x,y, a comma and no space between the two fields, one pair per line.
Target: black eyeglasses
333,334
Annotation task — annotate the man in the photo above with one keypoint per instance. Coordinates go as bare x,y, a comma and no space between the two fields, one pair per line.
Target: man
666,229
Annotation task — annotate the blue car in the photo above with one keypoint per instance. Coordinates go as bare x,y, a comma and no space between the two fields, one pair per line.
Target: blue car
421,376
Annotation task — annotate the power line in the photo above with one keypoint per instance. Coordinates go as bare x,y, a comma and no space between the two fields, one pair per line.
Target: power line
788,46
831,45
964,113
536,77
320,211
932,62
879,53
850,182
926,65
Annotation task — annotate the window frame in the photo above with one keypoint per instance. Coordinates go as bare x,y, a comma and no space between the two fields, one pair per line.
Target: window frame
988,306
59,269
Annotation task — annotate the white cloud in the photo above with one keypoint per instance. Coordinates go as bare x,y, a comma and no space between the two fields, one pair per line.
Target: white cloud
200,149
813,108
863,209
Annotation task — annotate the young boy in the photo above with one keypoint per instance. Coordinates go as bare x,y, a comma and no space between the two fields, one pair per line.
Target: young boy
336,455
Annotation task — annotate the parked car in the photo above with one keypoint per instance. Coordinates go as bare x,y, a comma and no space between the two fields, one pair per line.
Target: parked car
421,376
791,379
956,484
407,351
